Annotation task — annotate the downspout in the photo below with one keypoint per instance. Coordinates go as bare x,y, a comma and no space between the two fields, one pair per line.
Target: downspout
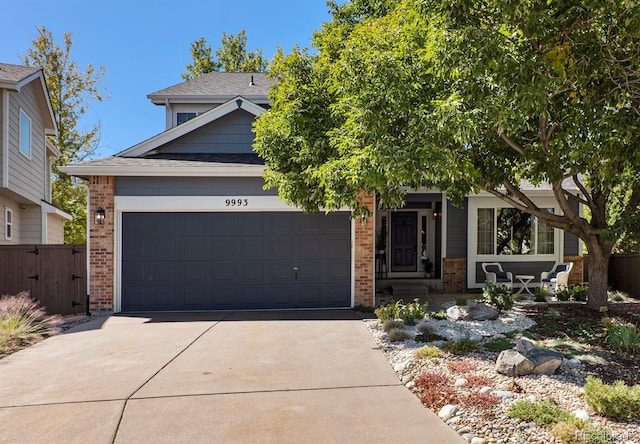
87,299
5,138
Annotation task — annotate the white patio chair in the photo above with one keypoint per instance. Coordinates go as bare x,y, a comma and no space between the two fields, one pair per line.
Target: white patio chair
557,278
494,273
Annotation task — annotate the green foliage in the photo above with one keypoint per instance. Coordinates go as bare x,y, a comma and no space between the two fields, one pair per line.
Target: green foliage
461,347
363,308
22,319
615,401
439,315
428,351
543,413
390,324
540,295
71,90
576,431
426,334
499,344
578,293
232,56
623,337
497,295
398,334
410,313
461,302
387,312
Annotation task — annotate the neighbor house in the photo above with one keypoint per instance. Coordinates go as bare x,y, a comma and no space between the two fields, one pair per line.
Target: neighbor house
26,119
183,222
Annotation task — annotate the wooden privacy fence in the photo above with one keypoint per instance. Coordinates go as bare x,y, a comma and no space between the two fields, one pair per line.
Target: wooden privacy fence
624,270
55,275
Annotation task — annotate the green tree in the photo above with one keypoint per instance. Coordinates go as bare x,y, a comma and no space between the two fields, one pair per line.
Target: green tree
70,91
232,56
466,96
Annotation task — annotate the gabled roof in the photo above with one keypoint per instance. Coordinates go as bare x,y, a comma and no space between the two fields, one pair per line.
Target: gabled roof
191,125
15,77
216,87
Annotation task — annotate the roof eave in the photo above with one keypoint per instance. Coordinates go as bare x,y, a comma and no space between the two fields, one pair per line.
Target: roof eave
167,171
204,99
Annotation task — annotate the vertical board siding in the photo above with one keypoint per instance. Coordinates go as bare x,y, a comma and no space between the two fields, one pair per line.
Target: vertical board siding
61,275
457,220
26,176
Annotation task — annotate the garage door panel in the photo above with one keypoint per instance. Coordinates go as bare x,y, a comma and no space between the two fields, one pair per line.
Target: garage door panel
228,261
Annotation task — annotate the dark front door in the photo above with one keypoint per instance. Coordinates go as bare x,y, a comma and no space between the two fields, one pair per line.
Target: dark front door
404,241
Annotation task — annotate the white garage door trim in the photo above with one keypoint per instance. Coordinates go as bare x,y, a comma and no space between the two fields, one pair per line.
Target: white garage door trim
208,204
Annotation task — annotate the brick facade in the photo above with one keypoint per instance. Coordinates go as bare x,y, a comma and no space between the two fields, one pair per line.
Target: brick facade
454,275
364,257
101,259
576,277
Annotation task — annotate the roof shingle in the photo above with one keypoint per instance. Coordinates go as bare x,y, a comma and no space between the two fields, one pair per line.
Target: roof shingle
15,73
219,84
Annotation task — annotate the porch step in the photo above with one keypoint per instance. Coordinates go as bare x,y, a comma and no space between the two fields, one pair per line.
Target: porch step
409,291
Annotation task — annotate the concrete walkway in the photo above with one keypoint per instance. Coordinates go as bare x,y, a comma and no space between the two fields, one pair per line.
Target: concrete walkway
270,377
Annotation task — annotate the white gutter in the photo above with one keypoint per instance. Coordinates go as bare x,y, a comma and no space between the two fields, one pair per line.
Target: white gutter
193,171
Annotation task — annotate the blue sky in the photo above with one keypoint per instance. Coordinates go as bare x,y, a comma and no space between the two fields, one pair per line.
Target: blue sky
144,46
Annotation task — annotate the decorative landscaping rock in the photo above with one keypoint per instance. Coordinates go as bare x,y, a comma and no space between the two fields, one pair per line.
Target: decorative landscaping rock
461,382
581,414
545,362
448,411
478,312
505,394
513,363
486,389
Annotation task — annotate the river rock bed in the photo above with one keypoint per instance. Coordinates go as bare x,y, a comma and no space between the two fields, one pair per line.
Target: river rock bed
493,424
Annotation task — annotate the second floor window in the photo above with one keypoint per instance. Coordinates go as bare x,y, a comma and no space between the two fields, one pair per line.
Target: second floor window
183,117
25,134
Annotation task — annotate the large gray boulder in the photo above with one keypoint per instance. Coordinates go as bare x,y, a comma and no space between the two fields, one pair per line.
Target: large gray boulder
528,359
478,312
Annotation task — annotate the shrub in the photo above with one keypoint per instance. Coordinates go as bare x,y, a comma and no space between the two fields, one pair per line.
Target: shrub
440,314
543,413
615,401
399,334
578,293
478,381
427,334
23,319
481,400
434,390
577,431
461,366
623,337
497,295
387,312
461,302
412,312
499,344
428,352
390,324
540,295
461,347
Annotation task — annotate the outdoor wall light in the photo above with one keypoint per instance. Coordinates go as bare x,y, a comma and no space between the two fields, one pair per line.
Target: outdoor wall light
100,216
436,215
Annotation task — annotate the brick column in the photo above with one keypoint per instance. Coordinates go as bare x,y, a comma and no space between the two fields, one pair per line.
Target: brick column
102,191
364,256
454,275
576,276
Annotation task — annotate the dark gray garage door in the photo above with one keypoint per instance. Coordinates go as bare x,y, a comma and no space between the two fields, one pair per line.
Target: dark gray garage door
228,261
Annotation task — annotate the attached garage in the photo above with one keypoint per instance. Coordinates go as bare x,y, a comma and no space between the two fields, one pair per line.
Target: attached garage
172,261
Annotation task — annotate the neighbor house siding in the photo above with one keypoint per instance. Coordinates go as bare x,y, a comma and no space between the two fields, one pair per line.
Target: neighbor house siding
26,175
456,230
3,135
15,208
192,186
30,224
55,229
228,134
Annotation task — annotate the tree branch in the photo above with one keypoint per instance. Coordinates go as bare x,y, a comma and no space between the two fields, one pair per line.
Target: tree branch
516,147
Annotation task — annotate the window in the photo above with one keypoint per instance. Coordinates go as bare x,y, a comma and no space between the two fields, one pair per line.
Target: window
25,134
183,117
8,224
509,231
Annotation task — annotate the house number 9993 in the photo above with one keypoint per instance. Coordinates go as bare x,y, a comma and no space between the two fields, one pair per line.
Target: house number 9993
238,202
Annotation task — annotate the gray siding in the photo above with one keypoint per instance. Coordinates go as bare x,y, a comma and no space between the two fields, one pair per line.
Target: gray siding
2,135
26,176
457,221
192,186
229,134
571,244
530,268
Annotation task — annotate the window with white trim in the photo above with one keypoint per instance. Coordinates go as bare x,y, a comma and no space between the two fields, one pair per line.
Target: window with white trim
25,134
183,117
8,224
509,231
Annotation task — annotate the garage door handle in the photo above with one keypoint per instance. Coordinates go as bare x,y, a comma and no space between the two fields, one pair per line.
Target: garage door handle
295,273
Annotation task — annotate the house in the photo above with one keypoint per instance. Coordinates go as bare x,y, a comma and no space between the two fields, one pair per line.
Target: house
183,222
26,119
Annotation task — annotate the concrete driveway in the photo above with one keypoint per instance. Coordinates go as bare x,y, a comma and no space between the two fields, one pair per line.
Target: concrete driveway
269,377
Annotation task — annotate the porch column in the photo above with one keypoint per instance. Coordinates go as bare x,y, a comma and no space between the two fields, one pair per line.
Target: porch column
364,273
101,258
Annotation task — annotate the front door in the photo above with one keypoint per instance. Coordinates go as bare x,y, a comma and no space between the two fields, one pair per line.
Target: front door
404,241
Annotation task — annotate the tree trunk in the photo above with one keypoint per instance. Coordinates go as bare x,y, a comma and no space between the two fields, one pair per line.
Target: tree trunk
598,265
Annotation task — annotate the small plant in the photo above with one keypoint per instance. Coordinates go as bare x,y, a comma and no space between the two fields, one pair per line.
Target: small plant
481,400
439,315
461,366
577,431
499,344
387,312
428,352
623,337
461,302
410,313
615,401
426,334
434,390
478,381
363,309
543,413
23,319
563,294
578,293
540,295
497,295
391,324
399,334
461,347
